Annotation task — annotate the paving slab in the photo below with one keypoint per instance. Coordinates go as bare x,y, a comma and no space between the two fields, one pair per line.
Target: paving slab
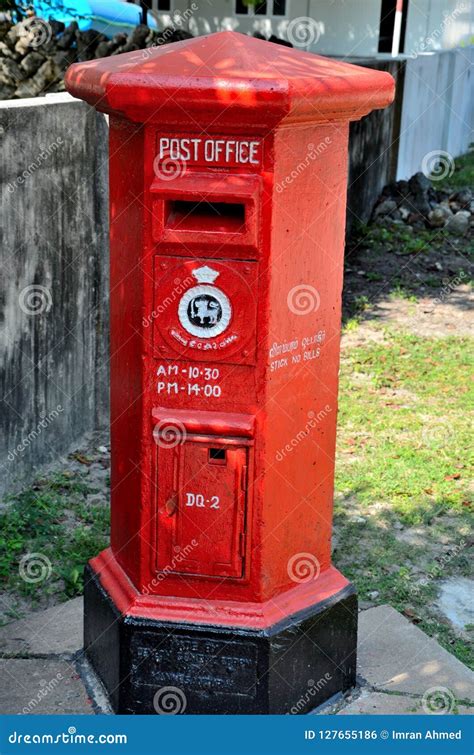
56,631
37,685
396,656
381,703
455,601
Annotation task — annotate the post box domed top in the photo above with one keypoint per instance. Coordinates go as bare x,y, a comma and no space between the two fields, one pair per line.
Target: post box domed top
228,79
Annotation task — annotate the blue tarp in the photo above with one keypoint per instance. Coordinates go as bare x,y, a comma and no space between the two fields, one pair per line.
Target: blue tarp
106,16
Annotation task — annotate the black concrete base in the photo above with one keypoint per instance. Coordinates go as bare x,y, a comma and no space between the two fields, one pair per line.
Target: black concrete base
154,667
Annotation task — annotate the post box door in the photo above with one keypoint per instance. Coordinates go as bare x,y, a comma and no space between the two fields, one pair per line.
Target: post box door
202,492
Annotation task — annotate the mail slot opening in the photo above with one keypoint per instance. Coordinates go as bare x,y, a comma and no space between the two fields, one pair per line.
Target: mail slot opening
217,456
224,217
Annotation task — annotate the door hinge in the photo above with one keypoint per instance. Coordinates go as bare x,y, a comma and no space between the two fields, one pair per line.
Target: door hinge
242,544
244,478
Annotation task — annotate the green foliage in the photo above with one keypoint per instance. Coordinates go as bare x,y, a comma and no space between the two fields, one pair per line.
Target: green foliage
54,519
463,174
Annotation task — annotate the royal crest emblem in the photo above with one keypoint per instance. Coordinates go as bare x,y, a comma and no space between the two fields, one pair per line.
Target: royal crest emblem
205,310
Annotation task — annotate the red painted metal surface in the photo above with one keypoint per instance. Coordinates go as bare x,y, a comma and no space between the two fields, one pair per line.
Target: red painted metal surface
201,505
257,615
228,171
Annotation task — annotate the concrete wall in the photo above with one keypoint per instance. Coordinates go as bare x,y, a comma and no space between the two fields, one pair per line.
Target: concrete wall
53,282
373,147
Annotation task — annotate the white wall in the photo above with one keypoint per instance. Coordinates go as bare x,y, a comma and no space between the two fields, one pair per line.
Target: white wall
337,27
327,27
438,25
347,28
438,107
220,14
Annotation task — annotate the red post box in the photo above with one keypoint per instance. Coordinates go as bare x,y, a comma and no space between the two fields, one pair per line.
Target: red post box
228,171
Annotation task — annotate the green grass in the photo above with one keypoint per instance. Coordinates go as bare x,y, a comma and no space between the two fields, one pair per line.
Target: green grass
399,239
54,519
463,174
403,438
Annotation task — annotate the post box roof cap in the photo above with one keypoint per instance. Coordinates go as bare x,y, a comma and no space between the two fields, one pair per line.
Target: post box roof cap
228,79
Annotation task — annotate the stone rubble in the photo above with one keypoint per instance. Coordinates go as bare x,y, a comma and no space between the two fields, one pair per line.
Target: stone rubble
35,56
418,204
